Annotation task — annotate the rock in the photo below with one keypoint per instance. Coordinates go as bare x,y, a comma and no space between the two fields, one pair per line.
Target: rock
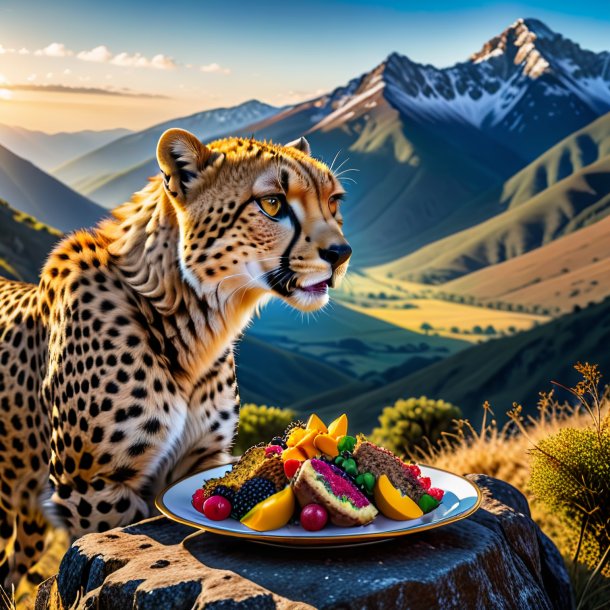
498,558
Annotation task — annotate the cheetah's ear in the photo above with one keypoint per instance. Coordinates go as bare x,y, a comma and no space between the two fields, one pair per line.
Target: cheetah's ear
300,144
182,159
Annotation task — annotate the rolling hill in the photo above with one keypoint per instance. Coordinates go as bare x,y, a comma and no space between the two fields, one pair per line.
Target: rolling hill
569,271
32,191
48,151
88,173
565,206
24,244
503,371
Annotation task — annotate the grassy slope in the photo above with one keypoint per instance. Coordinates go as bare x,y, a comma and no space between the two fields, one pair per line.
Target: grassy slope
34,192
505,370
562,208
408,305
353,342
24,244
570,271
578,150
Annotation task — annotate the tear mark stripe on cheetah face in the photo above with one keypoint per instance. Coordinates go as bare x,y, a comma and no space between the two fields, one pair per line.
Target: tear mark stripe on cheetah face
117,372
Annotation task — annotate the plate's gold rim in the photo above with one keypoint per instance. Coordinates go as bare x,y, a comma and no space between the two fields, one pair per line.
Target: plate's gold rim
318,540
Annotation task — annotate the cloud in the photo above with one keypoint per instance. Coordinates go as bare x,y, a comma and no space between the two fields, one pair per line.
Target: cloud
55,49
214,67
137,60
99,54
102,54
83,90
5,51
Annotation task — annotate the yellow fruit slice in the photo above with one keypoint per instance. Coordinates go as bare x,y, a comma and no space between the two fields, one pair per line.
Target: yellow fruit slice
306,444
295,436
272,513
315,423
392,504
294,453
338,427
327,444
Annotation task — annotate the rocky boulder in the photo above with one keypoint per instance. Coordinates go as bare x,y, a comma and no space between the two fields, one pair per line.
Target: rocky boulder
498,558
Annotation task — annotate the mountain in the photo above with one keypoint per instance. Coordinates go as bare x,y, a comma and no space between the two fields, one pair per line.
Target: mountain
503,371
34,192
568,272
434,147
48,151
564,189
24,244
90,171
527,88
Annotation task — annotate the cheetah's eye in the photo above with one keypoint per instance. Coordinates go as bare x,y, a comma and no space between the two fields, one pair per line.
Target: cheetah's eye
333,203
272,206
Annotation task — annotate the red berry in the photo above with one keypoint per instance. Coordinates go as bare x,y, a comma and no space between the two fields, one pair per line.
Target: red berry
425,482
436,493
414,468
290,468
216,508
313,517
197,500
271,449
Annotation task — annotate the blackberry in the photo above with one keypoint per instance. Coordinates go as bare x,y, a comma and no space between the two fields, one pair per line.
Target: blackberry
279,441
252,492
225,492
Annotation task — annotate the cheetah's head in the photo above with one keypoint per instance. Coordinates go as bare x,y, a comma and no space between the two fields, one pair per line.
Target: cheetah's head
255,218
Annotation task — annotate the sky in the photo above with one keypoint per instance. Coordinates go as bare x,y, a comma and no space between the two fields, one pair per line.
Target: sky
68,65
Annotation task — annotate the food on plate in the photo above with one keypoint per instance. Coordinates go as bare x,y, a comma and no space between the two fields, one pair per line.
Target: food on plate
318,482
272,513
313,517
316,474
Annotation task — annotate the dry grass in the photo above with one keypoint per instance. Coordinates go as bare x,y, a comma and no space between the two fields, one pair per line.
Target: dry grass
408,305
504,453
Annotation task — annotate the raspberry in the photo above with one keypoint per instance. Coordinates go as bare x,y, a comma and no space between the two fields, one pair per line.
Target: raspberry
436,493
198,500
252,492
425,482
272,449
414,468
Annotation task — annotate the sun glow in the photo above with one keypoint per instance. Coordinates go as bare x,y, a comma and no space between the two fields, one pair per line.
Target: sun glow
6,95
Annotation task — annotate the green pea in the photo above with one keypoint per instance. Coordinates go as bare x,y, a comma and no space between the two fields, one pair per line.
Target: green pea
339,460
351,469
369,481
360,479
351,463
427,503
346,443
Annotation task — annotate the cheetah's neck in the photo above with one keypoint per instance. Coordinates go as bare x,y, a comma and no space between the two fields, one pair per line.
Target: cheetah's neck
143,240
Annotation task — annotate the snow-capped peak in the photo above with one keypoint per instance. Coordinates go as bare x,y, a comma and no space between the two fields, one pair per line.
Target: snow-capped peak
519,41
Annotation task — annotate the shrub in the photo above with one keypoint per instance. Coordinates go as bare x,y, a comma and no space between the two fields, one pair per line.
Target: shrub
570,473
414,422
260,424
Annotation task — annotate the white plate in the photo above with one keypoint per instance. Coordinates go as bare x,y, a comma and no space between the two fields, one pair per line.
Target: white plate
461,499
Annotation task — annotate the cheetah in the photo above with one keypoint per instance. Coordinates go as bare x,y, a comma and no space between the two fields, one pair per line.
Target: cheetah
117,373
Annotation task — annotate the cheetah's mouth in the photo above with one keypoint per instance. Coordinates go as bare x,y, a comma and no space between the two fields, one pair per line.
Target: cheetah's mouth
319,287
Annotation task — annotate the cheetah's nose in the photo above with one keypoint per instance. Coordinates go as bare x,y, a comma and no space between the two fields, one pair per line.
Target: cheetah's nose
336,254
